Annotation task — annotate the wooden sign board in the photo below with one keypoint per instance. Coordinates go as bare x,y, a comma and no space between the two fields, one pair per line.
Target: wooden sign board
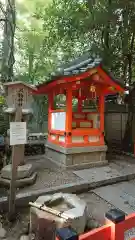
18,134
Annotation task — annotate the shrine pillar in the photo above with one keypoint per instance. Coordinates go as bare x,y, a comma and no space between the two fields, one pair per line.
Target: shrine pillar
79,105
50,108
68,139
101,114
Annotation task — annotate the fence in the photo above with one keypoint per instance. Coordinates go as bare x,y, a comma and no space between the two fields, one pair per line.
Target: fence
118,227
115,124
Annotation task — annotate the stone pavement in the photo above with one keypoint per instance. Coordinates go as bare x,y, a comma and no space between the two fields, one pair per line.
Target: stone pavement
120,195
113,170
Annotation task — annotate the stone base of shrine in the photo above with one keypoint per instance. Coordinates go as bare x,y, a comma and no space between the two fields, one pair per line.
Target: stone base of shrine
75,157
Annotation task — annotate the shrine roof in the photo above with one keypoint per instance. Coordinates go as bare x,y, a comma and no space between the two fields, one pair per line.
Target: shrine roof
9,84
78,67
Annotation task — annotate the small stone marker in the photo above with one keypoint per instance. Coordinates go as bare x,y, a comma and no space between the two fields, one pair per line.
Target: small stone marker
2,233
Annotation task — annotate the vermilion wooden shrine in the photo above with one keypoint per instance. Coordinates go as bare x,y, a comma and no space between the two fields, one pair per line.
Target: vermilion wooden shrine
73,132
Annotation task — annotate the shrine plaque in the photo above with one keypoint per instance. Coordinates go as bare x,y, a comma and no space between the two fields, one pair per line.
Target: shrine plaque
18,134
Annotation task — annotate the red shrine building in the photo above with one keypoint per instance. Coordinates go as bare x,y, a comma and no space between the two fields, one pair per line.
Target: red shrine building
76,133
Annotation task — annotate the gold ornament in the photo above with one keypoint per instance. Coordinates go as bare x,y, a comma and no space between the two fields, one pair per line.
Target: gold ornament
92,88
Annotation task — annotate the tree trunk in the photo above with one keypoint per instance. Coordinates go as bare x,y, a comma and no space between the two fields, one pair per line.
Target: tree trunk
106,33
8,42
107,28
129,136
125,43
130,59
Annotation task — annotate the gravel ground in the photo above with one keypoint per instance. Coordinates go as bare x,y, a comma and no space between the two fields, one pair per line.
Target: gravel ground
48,178
97,206
15,229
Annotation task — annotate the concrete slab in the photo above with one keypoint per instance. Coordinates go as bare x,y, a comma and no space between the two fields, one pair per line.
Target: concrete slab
124,167
98,174
121,195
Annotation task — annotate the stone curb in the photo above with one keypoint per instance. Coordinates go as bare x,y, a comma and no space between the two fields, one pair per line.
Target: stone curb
23,199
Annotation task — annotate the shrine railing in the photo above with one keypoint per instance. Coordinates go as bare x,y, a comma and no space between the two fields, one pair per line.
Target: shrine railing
118,227
102,233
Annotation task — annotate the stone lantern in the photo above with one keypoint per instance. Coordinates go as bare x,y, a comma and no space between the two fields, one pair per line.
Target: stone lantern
19,100
18,93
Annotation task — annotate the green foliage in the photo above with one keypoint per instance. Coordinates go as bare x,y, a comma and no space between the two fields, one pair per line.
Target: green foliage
51,32
64,29
40,109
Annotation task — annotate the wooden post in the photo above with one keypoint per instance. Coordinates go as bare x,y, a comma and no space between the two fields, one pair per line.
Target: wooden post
15,163
21,158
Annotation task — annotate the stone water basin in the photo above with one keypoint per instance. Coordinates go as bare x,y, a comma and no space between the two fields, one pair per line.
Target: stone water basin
69,205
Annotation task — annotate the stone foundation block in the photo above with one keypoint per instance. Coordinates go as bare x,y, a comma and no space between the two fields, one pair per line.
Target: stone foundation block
76,157
23,171
20,182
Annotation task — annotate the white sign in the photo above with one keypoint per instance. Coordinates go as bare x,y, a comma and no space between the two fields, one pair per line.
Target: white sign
58,121
18,133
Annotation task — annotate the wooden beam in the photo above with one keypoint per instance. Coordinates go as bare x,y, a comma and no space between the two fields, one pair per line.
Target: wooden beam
44,89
